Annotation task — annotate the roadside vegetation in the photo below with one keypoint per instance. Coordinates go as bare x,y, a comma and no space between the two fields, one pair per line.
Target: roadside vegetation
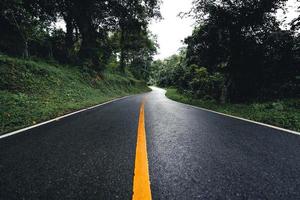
59,56
239,61
35,91
282,113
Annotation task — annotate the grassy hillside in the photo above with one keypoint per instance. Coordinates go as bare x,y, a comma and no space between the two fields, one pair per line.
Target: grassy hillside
35,91
282,113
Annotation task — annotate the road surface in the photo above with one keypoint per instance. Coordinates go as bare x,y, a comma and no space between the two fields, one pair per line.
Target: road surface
191,154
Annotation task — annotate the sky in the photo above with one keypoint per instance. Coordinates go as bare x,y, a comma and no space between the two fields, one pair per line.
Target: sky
172,29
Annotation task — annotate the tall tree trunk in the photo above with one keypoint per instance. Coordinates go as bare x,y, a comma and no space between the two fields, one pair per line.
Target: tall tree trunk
25,50
89,46
122,56
69,34
88,43
224,93
50,50
69,38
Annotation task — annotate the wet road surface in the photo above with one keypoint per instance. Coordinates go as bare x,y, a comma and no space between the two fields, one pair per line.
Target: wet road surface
192,154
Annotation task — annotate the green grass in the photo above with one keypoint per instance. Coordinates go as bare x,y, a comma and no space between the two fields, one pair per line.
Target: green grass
35,91
283,113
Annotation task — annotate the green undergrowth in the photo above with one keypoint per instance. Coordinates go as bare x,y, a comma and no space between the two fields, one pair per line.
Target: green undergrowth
283,113
35,91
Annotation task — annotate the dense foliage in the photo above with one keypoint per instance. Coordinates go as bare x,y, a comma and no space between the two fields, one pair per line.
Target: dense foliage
97,33
237,52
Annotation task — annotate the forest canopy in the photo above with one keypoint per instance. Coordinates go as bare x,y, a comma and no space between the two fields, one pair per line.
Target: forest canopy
237,52
97,33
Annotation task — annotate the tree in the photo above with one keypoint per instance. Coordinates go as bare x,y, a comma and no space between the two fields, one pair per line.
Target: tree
18,23
133,17
295,24
232,38
89,28
141,49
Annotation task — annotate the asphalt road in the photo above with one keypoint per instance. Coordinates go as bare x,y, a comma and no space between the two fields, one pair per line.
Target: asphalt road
192,154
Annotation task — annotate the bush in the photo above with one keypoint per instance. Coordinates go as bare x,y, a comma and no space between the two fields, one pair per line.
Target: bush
201,83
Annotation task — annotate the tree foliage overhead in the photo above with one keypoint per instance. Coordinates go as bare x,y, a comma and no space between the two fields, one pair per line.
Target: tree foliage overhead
89,26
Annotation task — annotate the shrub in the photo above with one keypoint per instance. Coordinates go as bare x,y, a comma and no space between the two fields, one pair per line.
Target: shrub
201,83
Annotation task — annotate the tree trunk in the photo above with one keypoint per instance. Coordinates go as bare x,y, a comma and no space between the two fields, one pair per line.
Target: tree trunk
88,44
50,51
122,56
224,92
26,51
69,34
88,48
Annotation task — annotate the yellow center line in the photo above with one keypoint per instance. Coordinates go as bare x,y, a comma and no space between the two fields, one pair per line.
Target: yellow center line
141,180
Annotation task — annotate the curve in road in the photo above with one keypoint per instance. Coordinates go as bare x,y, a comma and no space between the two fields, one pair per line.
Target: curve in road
192,154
